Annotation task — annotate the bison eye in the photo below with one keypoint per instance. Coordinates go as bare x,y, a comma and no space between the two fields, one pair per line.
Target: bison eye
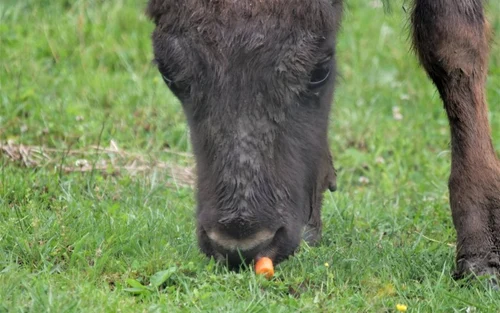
165,74
320,74
171,79
178,88
167,80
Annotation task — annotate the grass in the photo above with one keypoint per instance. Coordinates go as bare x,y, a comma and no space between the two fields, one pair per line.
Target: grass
96,208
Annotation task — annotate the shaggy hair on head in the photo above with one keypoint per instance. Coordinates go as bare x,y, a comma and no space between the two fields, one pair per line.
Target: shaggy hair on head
315,15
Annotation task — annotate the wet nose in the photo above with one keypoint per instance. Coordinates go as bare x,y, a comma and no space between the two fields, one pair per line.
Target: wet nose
244,249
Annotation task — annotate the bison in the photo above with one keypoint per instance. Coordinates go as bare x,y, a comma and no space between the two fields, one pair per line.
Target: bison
256,79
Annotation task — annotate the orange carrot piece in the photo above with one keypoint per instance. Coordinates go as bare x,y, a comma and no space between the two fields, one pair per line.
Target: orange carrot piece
265,266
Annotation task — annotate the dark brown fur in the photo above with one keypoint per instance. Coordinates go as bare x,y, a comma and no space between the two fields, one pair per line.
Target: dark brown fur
451,38
250,77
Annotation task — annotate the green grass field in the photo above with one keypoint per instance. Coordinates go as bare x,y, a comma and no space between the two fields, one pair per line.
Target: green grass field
96,204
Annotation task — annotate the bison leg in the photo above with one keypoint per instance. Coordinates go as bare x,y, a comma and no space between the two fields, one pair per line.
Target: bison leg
451,40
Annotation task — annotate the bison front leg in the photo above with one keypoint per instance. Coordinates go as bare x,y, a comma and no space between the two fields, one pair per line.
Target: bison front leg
451,40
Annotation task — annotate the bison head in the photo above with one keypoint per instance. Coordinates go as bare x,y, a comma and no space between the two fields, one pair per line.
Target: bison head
255,79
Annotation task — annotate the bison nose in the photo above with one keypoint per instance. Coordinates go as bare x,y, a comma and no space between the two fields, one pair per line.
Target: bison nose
247,243
245,248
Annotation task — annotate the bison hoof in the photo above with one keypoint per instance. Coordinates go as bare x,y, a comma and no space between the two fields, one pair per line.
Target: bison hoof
488,268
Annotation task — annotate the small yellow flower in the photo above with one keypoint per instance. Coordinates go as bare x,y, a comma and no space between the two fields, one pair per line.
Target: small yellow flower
326,264
401,307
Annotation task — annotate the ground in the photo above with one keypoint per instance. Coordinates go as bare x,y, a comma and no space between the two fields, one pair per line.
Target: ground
96,203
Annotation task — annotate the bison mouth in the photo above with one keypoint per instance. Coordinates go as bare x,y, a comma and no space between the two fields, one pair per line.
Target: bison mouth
276,246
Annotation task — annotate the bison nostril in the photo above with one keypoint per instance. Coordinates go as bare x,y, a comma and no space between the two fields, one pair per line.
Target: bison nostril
236,251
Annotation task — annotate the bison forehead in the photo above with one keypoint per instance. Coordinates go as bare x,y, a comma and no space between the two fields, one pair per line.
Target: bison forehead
223,43
315,15
247,58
